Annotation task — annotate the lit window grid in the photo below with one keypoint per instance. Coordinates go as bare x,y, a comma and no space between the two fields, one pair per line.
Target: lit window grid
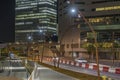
31,15
28,4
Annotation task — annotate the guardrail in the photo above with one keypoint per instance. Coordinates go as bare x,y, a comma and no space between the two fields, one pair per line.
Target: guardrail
31,77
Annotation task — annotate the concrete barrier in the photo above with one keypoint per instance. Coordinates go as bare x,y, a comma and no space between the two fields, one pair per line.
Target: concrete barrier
93,66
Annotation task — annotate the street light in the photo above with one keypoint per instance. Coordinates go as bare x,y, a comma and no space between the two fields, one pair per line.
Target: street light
28,43
29,37
42,34
95,39
68,2
73,10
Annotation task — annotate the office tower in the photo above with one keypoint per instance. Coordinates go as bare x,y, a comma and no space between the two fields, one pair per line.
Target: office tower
103,15
35,19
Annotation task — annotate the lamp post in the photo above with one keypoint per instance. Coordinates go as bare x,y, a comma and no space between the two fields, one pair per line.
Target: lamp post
112,49
95,37
95,41
42,41
29,40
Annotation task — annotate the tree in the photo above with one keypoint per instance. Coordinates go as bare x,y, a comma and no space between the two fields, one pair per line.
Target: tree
90,47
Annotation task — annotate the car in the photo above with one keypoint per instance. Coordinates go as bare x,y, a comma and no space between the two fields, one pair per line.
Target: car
81,60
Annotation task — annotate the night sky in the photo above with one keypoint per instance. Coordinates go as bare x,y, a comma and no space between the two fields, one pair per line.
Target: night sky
7,21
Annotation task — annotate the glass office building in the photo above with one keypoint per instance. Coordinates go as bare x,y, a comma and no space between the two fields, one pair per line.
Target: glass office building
35,19
103,15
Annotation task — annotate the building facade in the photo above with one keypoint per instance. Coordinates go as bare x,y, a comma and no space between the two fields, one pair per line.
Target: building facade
102,15
35,19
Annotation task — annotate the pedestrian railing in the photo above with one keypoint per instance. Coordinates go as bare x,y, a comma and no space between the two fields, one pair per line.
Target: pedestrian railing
31,68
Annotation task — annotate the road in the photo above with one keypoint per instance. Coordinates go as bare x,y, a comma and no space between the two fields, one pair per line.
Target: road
47,74
87,71
16,69
44,73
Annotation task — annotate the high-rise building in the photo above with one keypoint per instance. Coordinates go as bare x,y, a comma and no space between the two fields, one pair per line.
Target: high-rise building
103,15
35,19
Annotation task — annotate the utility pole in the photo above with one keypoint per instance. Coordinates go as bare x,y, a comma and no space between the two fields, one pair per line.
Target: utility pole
42,52
96,43
72,48
112,50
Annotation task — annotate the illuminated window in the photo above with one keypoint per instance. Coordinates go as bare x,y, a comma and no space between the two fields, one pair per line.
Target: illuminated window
96,20
108,8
